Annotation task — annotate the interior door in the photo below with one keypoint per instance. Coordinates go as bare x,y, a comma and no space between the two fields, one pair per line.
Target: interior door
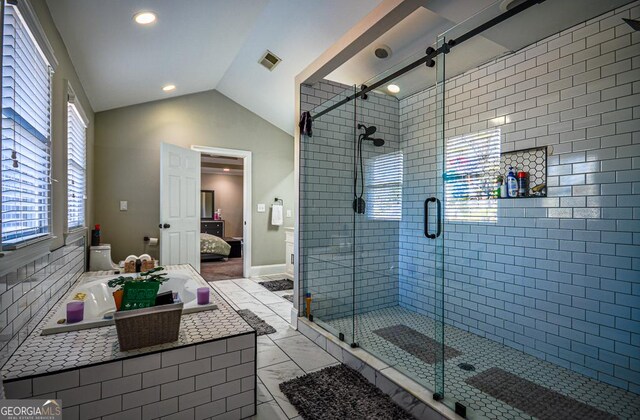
179,206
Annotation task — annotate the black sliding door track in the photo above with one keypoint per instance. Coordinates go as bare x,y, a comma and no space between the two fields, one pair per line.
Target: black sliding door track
432,53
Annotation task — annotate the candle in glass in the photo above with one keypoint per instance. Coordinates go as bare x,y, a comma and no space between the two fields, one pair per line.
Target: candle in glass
203,295
75,312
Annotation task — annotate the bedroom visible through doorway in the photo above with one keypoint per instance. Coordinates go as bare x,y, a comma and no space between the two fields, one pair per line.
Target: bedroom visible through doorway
223,215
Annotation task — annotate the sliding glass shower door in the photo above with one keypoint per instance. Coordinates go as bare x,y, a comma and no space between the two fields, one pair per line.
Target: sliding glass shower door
326,215
398,229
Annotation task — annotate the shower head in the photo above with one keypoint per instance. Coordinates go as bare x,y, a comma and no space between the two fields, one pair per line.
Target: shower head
376,142
359,204
368,131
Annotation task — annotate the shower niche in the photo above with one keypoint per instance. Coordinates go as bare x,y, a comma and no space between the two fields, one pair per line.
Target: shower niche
532,161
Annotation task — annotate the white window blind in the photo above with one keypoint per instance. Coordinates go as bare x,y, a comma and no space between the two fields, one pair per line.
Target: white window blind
472,165
26,162
76,167
384,186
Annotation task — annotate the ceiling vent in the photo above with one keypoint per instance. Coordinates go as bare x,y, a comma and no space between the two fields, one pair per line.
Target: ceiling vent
382,52
507,5
269,60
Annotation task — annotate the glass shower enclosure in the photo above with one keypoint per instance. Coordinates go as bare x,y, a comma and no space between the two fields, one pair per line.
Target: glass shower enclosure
407,251
359,197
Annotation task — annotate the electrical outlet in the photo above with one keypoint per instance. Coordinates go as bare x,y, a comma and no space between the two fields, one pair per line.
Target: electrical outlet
124,205
262,208
288,213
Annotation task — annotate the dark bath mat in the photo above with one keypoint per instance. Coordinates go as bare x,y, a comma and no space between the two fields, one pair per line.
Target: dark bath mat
288,297
533,399
277,285
415,343
339,392
256,322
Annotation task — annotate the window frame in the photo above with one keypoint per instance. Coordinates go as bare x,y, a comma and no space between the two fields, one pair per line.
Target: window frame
18,254
460,207
72,100
385,161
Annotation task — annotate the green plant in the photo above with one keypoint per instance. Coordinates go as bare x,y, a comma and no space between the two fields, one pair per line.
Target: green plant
146,277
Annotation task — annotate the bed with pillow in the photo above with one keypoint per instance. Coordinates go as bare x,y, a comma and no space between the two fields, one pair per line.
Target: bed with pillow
213,248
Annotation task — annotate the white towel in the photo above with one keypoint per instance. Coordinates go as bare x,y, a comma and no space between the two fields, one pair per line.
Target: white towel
277,218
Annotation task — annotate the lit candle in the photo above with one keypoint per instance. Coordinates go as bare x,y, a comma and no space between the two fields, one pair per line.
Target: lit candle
75,312
203,295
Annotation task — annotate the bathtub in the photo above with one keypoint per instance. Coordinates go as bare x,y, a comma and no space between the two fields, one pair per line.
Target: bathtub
99,304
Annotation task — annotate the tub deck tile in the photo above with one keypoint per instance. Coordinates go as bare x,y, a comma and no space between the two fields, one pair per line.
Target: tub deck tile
69,350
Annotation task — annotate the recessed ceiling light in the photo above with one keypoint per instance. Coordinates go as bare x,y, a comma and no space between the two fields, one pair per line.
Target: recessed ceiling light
226,169
169,88
393,88
144,18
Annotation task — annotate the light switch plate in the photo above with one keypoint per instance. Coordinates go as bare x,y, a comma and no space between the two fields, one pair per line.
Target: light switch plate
124,205
262,208
288,213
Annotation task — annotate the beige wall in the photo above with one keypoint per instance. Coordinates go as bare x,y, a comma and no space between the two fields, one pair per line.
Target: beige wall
127,166
228,198
65,74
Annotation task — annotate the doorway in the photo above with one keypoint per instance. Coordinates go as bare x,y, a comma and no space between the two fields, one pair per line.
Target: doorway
225,210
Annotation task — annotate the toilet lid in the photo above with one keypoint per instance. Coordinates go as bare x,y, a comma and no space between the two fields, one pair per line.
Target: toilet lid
101,247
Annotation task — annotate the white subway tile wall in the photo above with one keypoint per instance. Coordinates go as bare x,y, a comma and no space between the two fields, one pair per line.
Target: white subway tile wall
326,213
556,277
192,382
28,293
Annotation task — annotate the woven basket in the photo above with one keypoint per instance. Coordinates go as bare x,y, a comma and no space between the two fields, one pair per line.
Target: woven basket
130,267
148,265
148,326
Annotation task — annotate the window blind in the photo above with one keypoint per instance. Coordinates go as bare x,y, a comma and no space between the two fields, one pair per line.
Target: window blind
471,167
76,167
26,143
384,186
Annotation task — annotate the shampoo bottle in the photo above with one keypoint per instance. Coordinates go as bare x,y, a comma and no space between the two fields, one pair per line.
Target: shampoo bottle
307,298
503,191
512,184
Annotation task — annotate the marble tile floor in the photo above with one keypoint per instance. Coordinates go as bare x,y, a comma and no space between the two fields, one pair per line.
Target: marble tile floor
483,354
282,355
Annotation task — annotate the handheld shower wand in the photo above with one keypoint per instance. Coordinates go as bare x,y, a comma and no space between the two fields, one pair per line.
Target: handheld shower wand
359,204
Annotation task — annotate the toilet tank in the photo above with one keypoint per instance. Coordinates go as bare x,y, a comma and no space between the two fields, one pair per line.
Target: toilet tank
100,258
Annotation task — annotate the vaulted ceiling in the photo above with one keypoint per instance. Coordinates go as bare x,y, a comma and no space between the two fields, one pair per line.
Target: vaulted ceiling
199,45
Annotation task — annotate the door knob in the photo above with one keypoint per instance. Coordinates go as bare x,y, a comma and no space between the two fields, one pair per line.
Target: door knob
166,226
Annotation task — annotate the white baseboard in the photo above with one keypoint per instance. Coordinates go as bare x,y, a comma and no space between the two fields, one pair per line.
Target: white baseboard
265,270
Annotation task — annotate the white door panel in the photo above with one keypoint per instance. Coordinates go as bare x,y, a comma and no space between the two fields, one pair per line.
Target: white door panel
191,195
179,204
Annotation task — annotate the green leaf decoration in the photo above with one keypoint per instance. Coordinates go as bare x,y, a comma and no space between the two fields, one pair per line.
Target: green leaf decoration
146,277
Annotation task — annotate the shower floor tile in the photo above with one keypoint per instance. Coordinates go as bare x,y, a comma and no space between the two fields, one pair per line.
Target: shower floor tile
483,354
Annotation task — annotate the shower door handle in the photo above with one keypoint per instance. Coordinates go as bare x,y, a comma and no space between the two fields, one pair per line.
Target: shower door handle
438,218
426,218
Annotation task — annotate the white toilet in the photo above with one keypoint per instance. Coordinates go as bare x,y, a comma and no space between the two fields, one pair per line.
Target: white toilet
100,258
